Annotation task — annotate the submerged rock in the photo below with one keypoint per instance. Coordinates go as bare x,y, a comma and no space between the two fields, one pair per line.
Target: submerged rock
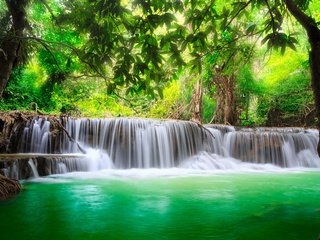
8,188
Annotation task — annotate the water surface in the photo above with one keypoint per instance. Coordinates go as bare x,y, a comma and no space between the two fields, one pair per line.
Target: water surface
149,205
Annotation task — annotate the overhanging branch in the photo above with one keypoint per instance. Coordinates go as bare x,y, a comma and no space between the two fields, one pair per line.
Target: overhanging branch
46,44
306,21
238,12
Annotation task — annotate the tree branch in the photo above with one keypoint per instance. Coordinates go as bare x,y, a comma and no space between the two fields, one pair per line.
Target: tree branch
306,21
46,43
238,12
271,15
48,8
87,76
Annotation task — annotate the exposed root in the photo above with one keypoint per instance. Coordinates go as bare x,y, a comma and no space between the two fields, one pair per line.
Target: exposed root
8,187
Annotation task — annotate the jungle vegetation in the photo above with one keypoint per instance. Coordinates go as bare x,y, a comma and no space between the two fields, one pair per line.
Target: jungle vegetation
241,62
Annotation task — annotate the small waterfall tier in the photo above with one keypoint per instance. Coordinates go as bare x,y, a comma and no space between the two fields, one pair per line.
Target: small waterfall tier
285,147
123,143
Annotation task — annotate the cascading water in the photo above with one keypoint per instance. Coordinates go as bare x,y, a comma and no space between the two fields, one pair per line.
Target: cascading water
36,136
144,143
33,168
130,143
286,147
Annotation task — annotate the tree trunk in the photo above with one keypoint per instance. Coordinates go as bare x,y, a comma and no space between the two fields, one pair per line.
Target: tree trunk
220,105
313,32
10,47
315,78
225,108
229,116
197,102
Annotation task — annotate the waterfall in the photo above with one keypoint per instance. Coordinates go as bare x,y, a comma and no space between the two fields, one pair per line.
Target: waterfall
123,143
36,137
130,143
286,147
34,170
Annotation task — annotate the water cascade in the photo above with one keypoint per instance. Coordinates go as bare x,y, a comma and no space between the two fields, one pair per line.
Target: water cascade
33,168
144,143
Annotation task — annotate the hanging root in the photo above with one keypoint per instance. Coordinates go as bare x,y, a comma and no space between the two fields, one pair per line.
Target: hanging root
8,187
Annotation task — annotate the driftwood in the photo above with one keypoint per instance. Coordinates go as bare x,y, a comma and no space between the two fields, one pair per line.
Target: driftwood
8,187
68,135
203,128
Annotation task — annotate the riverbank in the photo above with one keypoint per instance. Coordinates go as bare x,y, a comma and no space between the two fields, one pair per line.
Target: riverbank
8,188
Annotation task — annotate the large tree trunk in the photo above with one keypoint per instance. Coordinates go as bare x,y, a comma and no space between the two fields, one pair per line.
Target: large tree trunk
313,32
315,77
10,47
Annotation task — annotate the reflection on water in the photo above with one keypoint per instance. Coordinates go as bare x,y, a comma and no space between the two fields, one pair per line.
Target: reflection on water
91,195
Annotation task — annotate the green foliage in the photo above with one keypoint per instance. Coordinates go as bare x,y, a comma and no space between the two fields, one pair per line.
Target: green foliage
23,88
289,99
208,108
277,67
287,88
167,106
248,91
77,97
135,40
314,7
123,57
303,4
247,84
4,19
293,94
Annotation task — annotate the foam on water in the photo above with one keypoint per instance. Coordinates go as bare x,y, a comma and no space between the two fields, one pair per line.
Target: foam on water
98,159
153,173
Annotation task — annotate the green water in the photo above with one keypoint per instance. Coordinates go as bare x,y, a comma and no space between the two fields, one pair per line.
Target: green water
247,206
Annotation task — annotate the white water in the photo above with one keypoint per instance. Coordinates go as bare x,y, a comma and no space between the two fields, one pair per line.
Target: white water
33,168
113,144
155,173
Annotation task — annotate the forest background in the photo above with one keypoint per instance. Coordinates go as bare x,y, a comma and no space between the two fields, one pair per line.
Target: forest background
232,62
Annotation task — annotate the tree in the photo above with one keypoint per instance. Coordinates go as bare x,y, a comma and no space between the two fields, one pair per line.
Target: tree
271,26
226,66
132,46
197,102
276,37
11,43
313,31
217,46
136,46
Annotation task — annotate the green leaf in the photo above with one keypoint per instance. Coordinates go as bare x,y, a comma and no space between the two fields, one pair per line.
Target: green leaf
152,41
266,38
160,92
283,49
291,45
251,28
